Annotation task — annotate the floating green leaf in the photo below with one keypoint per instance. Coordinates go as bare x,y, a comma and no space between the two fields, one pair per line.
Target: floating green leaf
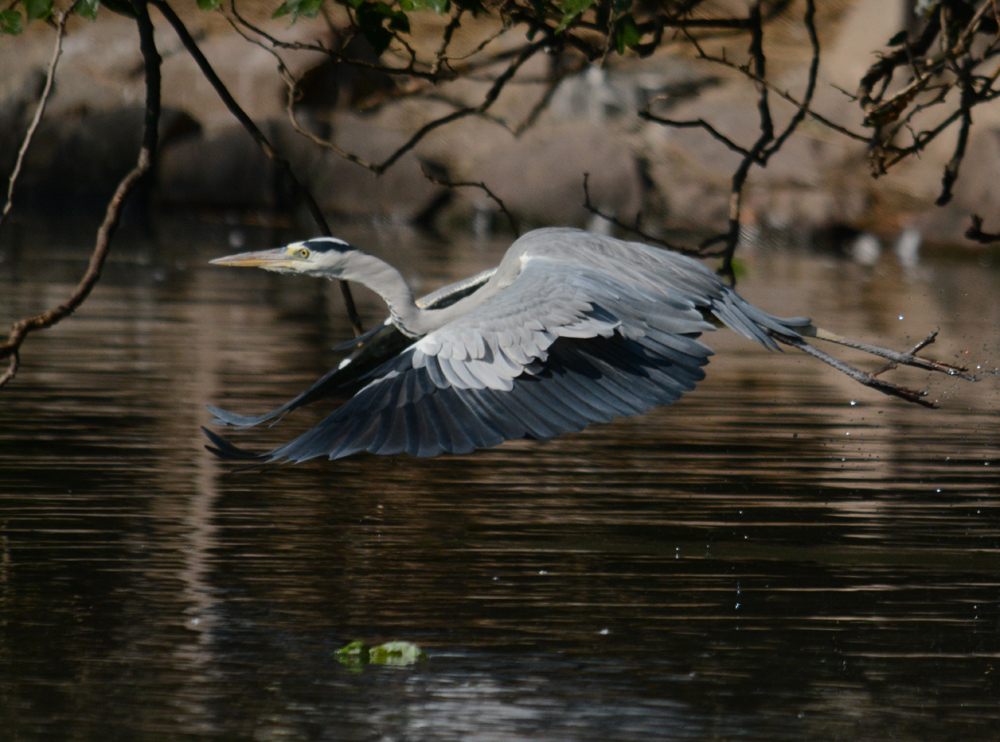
395,654
209,4
355,653
11,22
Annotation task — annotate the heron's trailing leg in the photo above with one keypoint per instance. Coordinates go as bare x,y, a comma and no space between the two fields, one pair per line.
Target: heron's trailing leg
895,358
909,358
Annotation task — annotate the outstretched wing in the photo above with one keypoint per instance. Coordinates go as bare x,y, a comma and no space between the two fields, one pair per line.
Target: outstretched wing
370,350
563,346
374,348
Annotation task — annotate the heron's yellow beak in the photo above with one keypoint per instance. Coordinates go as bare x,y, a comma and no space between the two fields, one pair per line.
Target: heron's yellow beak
274,259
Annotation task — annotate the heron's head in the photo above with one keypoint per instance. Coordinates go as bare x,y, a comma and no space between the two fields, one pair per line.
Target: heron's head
320,256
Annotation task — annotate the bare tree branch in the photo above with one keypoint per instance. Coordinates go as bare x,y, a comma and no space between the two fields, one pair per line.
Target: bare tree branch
951,169
809,21
489,99
634,228
695,124
147,152
975,232
481,186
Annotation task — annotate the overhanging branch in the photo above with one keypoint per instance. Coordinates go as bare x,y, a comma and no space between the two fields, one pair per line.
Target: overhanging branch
151,60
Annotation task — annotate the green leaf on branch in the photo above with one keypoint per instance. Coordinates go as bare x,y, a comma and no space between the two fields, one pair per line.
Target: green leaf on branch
37,9
438,6
371,18
571,10
88,9
11,22
299,8
627,34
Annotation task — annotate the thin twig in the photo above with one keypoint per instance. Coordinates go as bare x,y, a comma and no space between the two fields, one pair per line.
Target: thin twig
975,232
634,228
42,102
766,136
808,20
469,184
379,168
951,169
449,31
105,233
488,100
551,86
696,123
777,91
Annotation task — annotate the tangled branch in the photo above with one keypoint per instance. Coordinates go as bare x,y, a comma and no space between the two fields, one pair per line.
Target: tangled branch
957,38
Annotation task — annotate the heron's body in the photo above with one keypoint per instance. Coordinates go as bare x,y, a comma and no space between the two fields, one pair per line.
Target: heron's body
572,328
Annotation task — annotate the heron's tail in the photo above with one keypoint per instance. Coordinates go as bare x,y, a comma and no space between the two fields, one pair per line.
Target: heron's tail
743,317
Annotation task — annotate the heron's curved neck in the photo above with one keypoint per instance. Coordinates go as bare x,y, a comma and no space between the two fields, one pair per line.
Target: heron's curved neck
388,283
385,281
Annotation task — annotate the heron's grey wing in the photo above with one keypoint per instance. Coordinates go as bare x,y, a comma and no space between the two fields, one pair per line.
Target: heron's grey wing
563,346
661,272
383,343
371,349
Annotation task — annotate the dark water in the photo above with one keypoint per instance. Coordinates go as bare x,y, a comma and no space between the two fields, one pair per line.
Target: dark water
780,556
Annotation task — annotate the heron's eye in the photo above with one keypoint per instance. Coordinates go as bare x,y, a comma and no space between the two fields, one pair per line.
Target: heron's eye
303,253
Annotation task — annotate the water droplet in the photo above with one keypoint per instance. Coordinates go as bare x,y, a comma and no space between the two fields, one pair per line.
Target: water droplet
901,316
853,402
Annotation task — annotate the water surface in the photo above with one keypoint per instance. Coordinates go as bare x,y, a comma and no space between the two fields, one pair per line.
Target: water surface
782,555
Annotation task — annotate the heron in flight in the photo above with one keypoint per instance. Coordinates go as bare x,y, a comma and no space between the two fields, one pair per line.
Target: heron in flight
570,329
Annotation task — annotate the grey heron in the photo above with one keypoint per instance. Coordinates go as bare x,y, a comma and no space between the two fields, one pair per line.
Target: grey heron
571,328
